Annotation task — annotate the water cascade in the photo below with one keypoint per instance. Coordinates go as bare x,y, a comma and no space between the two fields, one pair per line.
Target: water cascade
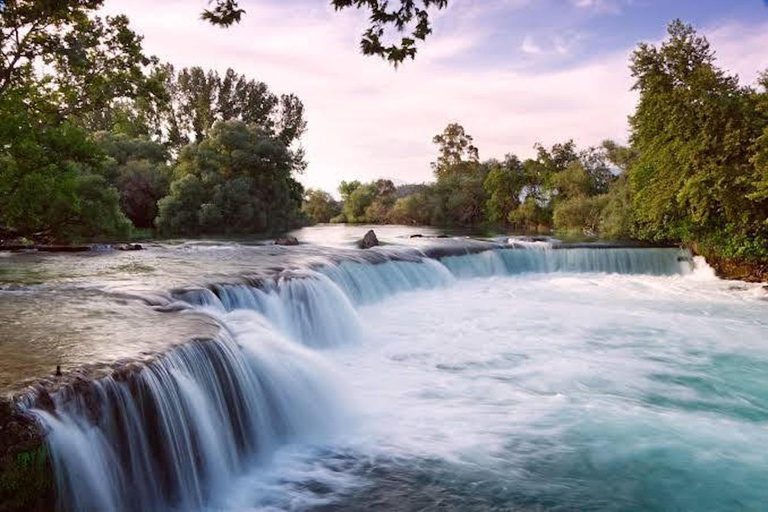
173,433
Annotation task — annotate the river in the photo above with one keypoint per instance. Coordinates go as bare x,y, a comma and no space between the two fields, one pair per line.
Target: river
425,374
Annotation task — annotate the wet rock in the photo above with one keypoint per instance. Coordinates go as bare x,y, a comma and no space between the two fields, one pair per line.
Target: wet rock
287,240
369,240
26,475
44,401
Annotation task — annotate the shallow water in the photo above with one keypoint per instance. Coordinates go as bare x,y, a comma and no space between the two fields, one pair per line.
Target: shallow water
525,379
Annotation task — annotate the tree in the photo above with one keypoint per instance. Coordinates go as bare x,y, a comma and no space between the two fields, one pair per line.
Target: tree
197,99
138,169
694,130
52,184
88,62
454,149
238,179
504,184
405,16
320,206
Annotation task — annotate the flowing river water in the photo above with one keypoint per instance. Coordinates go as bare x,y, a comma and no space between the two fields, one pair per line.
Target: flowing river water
426,374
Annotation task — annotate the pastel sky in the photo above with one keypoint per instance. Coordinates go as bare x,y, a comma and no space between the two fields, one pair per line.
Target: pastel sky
512,72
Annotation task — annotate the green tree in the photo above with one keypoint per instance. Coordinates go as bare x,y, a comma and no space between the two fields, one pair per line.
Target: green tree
197,99
456,150
503,185
320,206
52,184
238,179
138,169
694,129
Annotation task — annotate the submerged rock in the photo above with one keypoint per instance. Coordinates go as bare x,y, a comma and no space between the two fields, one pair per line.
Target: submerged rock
369,240
287,240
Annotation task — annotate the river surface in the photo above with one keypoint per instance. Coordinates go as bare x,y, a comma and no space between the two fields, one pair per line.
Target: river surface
524,377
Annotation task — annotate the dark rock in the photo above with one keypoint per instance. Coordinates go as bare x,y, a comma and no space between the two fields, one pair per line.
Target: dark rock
287,240
26,474
369,240
417,235
58,371
44,401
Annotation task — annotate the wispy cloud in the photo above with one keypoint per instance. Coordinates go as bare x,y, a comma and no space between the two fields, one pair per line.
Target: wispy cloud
604,6
530,47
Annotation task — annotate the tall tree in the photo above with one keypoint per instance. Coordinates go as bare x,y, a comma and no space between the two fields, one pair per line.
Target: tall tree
199,98
694,130
455,147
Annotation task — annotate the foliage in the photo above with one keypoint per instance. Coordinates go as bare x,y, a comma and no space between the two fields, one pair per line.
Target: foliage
198,99
455,149
238,179
695,131
503,185
52,183
580,213
405,15
320,206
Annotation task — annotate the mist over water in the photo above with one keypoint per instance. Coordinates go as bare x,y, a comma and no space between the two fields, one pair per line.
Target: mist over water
525,379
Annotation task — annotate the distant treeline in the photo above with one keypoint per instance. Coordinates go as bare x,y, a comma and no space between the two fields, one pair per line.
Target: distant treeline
695,170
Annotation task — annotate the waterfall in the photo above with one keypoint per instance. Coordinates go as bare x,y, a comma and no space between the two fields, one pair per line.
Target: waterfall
317,307
173,433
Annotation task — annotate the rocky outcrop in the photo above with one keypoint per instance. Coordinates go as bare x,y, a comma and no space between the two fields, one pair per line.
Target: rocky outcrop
369,240
26,475
739,270
751,271
287,240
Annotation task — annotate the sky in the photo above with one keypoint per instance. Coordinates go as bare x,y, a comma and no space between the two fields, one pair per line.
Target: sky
512,72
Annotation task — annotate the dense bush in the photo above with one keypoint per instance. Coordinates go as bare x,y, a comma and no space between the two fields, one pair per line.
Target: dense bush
238,180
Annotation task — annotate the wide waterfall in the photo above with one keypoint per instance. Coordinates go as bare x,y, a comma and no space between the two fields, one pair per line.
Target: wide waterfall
173,434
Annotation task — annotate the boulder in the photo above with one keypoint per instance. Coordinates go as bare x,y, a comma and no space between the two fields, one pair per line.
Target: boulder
369,240
287,240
